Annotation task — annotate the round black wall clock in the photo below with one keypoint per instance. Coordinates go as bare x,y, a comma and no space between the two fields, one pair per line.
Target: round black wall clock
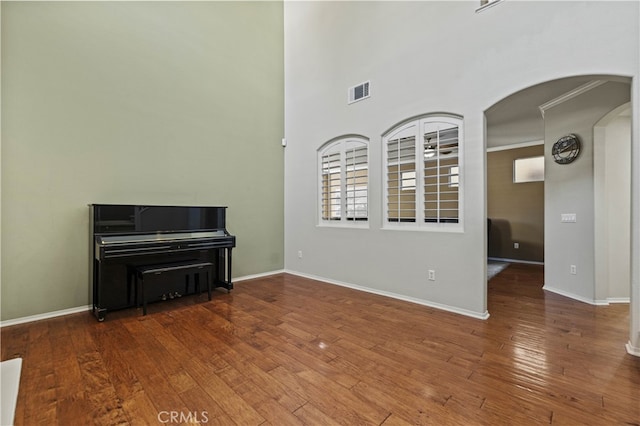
566,149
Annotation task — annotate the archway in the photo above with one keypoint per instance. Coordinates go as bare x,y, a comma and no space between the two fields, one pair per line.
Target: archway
541,114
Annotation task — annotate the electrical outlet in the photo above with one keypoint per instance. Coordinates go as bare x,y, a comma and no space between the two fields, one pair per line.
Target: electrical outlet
432,275
516,245
299,254
573,270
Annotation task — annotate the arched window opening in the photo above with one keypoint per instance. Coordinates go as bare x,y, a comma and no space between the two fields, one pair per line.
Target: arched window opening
344,181
423,182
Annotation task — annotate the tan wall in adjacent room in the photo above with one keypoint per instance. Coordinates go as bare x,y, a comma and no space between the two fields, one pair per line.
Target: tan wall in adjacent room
516,210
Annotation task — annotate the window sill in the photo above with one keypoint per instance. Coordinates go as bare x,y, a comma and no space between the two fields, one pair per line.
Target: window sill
454,229
349,225
488,6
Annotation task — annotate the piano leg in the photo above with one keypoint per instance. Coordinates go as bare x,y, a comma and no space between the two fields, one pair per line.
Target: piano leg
99,313
229,283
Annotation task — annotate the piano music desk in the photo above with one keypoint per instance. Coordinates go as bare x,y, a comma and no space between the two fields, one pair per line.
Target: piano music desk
188,267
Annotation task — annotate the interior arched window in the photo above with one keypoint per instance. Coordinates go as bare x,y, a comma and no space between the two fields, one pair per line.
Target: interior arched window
423,182
344,181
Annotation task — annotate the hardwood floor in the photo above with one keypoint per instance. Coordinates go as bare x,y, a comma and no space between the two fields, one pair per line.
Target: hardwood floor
288,350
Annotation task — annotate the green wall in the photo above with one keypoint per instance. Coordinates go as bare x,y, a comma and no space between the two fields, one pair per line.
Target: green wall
176,103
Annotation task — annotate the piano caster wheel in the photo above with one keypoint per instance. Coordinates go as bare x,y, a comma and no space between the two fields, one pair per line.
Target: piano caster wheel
163,297
176,295
100,315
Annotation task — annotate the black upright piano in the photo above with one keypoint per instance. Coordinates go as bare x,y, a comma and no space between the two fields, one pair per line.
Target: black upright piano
124,237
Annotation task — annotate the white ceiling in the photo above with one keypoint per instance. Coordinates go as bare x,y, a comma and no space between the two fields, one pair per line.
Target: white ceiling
517,118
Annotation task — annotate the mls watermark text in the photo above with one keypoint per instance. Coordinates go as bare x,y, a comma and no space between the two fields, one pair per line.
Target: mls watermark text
193,417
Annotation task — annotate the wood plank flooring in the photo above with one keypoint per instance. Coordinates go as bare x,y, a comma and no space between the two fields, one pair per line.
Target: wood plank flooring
285,350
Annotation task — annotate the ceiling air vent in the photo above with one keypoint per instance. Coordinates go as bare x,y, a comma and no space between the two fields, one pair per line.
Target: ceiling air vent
359,92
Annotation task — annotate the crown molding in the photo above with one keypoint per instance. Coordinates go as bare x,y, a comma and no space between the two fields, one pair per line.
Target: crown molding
515,145
487,5
570,95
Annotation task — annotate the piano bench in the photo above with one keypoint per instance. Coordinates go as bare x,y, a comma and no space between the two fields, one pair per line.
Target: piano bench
189,267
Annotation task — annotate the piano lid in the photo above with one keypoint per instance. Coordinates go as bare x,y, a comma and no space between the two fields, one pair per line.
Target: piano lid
141,219
105,240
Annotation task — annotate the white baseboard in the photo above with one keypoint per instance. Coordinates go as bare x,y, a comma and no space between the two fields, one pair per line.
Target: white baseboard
632,350
46,315
575,296
453,309
261,275
596,302
62,312
528,262
618,300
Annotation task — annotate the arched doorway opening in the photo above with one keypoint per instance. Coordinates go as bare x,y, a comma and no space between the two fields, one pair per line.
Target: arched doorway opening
572,230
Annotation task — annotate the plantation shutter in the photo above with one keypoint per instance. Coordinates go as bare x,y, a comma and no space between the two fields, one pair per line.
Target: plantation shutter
331,185
401,177
344,181
357,181
441,173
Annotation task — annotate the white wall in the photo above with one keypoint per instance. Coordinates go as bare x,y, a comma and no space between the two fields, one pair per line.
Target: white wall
423,57
619,181
569,188
612,172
